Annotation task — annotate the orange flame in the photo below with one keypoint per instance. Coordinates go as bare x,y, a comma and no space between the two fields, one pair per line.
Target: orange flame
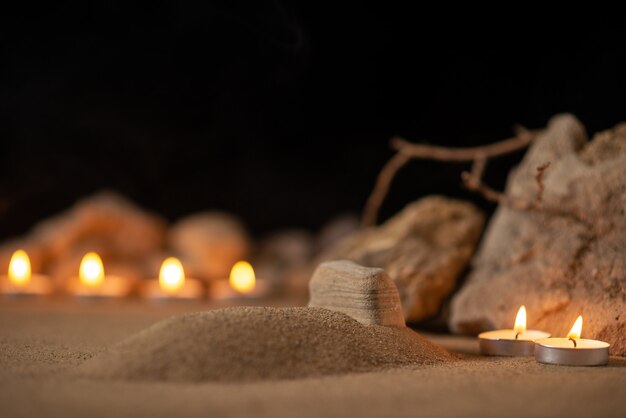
520,320
172,275
19,268
577,329
242,277
91,270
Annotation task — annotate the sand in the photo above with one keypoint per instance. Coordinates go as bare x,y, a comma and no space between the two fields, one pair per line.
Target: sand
42,344
258,343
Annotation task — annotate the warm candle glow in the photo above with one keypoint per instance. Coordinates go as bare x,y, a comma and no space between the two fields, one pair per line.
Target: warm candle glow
172,275
19,268
91,271
242,277
520,320
577,329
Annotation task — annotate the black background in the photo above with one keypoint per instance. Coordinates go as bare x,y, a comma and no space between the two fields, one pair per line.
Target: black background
278,112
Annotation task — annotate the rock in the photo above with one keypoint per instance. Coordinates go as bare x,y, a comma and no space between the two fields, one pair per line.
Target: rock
336,230
566,259
107,223
285,259
424,249
286,249
209,244
366,294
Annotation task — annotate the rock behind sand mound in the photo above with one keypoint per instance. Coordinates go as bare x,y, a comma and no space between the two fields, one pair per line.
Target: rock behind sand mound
248,344
424,249
566,259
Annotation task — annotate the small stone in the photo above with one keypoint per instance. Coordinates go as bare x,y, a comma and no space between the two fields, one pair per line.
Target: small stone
336,230
286,249
209,244
366,294
285,258
424,249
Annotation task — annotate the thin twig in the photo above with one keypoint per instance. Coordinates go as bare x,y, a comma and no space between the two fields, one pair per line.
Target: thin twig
383,182
479,155
478,168
473,181
539,179
431,152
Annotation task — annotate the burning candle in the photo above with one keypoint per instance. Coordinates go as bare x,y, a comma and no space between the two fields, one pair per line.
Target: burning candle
511,342
242,277
241,284
573,350
172,283
19,279
93,282
91,270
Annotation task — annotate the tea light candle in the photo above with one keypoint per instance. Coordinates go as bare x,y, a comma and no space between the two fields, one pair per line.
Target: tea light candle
19,279
92,282
242,284
573,350
172,283
511,342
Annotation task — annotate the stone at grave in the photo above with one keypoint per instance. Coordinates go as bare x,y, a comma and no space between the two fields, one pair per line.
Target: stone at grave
566,259
366,294
424,249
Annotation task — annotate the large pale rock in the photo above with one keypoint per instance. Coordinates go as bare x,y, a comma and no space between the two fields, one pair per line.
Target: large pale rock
366,294
424,249
562,261
209,243
119,231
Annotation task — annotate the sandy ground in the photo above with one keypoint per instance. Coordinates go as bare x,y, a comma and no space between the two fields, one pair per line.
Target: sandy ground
42,342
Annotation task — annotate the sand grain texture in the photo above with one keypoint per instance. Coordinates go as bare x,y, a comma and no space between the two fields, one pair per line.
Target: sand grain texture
42,342
253,343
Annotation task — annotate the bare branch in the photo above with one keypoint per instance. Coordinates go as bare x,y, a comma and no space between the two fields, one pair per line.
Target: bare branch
431,152
479,155
473,182
383,182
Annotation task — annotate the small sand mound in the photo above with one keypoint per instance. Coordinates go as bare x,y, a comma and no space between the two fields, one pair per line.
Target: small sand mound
248,344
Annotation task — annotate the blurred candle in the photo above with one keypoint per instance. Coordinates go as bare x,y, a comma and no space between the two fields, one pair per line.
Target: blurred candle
172,283
91,270
93,282
20,280
242,277
242,284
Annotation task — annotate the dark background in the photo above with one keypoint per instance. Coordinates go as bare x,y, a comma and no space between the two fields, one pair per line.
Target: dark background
278,112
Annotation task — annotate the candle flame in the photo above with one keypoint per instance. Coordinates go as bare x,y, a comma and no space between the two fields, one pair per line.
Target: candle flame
520,320
91,271
172,275
577,329
19,268
242,277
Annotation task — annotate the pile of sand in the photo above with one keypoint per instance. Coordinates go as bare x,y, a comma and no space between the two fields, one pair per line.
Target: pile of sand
247,344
